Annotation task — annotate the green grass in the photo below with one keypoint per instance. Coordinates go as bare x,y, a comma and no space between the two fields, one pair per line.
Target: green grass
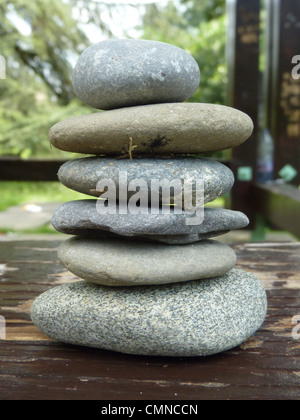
219,203
43,230
17,193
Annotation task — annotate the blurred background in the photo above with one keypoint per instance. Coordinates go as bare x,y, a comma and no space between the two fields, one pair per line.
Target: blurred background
244,49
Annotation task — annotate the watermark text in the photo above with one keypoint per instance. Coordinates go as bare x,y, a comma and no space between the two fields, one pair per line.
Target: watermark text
296,69
141,196
2,67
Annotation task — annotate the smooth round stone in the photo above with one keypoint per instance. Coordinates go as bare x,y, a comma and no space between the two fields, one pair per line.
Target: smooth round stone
125,263
82,218
83,175
197,318
121,73
187,128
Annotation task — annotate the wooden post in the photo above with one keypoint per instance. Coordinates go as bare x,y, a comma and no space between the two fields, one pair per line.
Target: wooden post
244,83
268,82
285,103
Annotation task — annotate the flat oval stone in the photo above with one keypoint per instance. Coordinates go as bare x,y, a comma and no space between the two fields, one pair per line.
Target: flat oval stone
82,218
125,263
83,175
121,73
187,128
197,318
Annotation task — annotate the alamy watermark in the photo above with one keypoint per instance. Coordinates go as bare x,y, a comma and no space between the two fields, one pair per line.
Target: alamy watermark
296,69
142,196
2,328
296,329
2,67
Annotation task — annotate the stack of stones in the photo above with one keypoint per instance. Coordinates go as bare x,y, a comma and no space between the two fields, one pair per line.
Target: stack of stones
154,284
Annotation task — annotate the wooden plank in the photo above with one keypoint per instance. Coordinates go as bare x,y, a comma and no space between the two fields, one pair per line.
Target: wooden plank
244,24
285,104
13,169
279,204
33,367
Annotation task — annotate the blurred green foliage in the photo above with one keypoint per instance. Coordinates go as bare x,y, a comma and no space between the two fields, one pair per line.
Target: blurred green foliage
41,39
200,28
38,39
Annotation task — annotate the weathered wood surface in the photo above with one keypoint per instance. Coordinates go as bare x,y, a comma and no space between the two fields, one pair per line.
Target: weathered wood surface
34,367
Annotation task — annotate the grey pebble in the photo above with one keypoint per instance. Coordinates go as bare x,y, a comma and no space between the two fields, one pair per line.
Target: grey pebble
83,219
196,318
181,128
83,175
121,73
126,263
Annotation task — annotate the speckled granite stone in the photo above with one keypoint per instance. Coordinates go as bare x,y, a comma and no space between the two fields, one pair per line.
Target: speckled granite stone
128,72
81,218
181,128
83,175
195,318
125,263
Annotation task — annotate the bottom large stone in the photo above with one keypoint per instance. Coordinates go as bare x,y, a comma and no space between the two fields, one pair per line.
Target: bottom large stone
196,318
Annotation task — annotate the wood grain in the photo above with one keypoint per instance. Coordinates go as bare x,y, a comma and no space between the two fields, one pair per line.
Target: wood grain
33,367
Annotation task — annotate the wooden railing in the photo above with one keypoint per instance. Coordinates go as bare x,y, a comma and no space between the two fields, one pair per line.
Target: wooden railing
13,169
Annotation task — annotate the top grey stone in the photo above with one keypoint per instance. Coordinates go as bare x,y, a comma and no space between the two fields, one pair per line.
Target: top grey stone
121,73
